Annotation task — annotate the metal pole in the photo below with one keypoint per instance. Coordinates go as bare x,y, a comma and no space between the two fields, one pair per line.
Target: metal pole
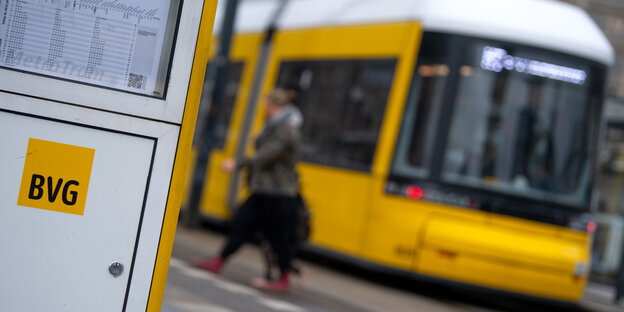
619,283
216,78
252,103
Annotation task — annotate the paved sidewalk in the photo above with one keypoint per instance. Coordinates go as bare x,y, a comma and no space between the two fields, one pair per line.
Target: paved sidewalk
199,243
340,290
599,297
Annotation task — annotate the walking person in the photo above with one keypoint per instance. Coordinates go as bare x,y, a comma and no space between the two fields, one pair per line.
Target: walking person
273,184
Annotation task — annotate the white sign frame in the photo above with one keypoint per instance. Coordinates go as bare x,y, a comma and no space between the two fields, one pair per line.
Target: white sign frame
165,137
160,119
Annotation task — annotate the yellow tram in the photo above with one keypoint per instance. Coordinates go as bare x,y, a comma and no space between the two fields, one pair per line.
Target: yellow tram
451,139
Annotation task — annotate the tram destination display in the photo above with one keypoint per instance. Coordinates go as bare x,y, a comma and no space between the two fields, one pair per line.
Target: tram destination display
108,43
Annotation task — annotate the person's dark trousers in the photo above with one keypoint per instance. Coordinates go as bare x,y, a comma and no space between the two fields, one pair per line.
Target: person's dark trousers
278,216
275,215
244,224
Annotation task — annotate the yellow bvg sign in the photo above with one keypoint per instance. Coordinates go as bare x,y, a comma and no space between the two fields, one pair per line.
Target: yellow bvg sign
56,176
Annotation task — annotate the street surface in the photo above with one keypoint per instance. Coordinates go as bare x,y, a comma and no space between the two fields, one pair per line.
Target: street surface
328,286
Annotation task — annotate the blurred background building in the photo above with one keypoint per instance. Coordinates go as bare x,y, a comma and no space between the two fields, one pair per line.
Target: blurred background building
609,15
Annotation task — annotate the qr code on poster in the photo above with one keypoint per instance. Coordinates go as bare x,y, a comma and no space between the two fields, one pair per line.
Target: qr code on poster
136,81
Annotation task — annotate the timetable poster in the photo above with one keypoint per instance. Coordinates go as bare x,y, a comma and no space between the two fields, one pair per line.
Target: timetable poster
109,43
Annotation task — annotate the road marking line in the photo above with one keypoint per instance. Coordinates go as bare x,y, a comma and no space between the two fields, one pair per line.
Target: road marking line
194,273
197,307
199,274
238,289
190,271
177,263
280,305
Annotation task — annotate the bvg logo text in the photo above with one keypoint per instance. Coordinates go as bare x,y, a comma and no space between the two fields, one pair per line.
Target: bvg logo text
56,176
38,183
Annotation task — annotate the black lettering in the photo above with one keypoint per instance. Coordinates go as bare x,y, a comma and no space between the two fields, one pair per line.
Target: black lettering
53,193
74,194
36,184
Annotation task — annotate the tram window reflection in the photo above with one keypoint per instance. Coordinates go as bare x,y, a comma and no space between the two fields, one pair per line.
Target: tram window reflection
343,103
518,132
417,142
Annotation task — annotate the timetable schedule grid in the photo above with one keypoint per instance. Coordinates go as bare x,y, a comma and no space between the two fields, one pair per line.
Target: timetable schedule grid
114,44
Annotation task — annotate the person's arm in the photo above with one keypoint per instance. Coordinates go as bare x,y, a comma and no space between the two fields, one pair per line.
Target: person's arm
272,150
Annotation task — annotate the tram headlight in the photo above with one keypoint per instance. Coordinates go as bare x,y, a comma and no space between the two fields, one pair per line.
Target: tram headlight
580,269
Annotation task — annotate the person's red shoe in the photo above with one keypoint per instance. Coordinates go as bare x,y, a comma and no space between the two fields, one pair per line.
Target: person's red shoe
280,285
213,265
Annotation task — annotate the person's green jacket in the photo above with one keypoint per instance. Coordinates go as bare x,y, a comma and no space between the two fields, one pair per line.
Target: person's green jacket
272,167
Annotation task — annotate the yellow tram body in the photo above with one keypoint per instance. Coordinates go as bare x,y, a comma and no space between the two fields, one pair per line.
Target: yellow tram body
355,217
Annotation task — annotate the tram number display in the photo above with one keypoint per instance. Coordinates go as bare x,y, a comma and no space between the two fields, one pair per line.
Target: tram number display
497,59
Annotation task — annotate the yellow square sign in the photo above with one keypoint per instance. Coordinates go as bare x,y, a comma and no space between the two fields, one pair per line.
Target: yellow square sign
56,176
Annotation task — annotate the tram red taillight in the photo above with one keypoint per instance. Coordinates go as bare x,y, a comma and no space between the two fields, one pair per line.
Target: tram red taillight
414,192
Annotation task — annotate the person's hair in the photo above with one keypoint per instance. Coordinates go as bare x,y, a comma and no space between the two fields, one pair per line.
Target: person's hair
279,97
293,92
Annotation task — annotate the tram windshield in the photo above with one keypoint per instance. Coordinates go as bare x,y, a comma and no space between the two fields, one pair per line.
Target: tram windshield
502,117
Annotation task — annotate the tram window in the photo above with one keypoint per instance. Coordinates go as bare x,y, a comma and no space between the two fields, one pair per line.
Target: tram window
343,104
416,143
234,73
516,131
